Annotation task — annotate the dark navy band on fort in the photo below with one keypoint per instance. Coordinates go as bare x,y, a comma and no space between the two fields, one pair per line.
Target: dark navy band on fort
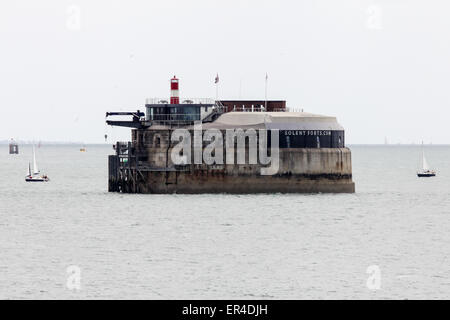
312,156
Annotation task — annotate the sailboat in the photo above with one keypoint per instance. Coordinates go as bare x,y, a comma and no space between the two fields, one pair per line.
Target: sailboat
35,176
425,172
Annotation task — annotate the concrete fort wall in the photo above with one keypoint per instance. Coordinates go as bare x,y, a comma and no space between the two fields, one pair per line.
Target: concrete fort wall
301,170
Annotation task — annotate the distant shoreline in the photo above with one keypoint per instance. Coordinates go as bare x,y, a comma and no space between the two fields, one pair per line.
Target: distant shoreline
6,142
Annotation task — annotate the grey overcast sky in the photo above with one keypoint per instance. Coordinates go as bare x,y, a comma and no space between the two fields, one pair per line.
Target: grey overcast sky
381,67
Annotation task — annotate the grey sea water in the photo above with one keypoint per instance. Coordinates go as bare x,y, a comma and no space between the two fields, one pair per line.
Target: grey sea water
224,246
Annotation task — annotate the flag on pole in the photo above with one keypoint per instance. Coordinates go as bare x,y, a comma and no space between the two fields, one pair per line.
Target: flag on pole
216,81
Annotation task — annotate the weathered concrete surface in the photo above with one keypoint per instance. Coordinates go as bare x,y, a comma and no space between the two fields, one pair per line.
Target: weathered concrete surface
301,170
215,182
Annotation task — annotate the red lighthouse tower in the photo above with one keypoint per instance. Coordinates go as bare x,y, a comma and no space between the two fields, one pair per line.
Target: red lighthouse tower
174,92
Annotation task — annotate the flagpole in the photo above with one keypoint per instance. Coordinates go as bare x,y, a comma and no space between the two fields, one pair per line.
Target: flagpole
265,96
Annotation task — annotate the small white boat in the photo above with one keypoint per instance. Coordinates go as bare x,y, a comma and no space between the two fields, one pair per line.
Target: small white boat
36,175
426,171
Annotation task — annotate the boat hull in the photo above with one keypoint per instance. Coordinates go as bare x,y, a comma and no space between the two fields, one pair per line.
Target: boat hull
27,179
426,175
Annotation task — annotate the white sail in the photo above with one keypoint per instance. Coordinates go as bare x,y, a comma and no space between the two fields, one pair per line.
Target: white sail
425,166
29,169
35,167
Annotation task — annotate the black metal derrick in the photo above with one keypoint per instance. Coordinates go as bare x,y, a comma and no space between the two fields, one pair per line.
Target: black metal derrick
134,123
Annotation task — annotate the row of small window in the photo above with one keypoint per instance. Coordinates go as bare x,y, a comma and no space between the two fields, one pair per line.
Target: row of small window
327,142
175,113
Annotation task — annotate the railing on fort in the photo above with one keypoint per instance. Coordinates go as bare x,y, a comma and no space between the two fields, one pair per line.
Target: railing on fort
258,109
185,118
206,101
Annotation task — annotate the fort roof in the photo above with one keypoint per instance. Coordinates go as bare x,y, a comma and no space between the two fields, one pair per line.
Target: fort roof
269,120
275,120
